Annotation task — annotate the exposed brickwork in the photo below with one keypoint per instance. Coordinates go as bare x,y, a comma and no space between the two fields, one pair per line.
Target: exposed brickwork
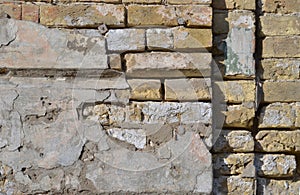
150,96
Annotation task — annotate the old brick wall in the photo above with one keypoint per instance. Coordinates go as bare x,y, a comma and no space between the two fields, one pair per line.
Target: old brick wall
149,96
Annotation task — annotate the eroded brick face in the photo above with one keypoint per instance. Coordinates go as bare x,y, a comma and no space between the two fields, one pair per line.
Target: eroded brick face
149,96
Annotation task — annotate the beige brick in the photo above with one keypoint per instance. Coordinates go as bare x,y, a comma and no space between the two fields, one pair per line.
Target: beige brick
168,64
278,115
13,10
188,38
278,141
237,91
114,61
276,186
281,47
140,15
189,1
276,165
232,185
30,12
233,164
82,15
141,1
120,40
187,89
195,15
159,38
240,115
145,89
161,15
281,6
234,141
281,91
234,4
285,25
281,69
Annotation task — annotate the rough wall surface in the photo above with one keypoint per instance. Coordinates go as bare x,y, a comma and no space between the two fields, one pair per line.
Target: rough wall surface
149,96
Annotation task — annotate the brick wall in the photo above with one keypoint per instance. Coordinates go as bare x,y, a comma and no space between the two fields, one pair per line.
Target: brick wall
149,96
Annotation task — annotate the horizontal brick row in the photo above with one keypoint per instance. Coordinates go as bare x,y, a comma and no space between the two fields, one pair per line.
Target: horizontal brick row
92,15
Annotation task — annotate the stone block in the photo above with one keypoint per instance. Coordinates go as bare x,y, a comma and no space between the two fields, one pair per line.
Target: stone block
82,15
280,6
285,25
240,115
142,89
281,47
282,91
163,64
237,91
276,165
161,15
30,12
234,141
120,40
232,185
191,39
160,38
13,10
187,89
280,69
278,141
234,4
234,164
115,62
278,115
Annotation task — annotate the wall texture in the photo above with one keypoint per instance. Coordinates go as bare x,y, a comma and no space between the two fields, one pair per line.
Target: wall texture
149,96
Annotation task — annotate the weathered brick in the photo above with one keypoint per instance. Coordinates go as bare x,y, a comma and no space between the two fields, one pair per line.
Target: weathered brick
276,186
82,15
279,115
120,40
187,89
13,10
114,62
281,69
160,38
275,165
234,4
164,64
188,38
195,15
145,89
189,1
281,47
36,46
281,6
30,12
141,1
278,141
239,55
232,185
281,91
157,15
285,25
234,164
237,91
240,115
234,141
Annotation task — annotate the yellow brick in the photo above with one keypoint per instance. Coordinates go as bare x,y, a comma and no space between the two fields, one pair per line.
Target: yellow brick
281,47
